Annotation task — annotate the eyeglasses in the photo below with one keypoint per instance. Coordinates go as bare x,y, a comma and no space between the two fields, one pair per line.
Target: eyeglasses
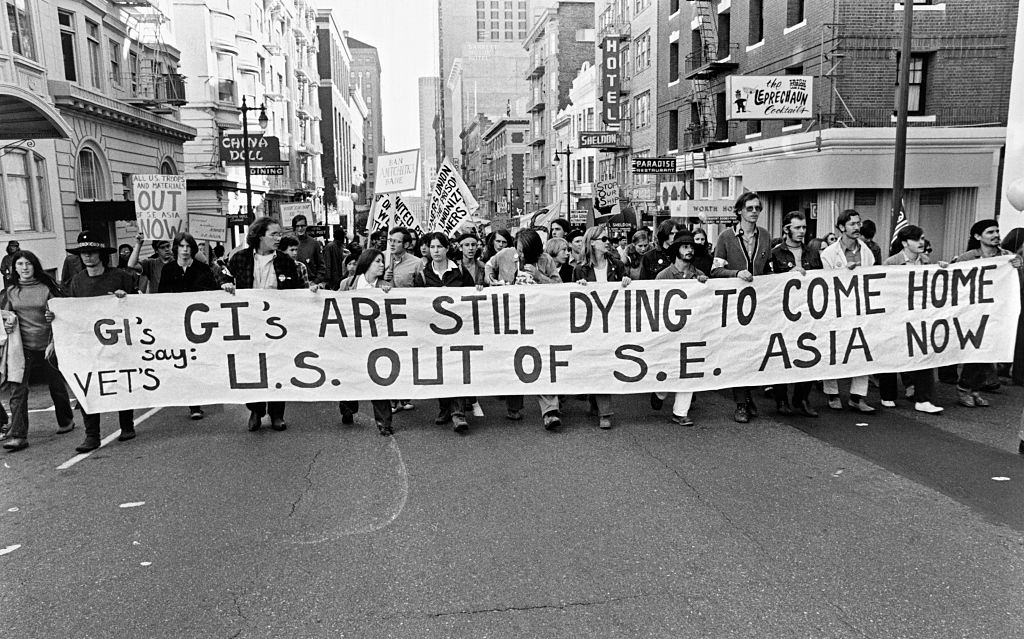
603,238
754,208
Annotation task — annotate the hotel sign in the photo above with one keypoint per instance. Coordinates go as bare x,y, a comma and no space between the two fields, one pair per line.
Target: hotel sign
611,111
770,97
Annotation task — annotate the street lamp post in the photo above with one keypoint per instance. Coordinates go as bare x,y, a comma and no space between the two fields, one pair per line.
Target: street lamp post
262,121
568,178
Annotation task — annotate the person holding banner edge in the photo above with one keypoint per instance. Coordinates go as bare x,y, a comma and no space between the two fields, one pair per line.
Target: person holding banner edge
402,267
96,280
261,265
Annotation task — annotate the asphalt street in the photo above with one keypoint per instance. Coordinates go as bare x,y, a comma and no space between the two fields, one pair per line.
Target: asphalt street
887,526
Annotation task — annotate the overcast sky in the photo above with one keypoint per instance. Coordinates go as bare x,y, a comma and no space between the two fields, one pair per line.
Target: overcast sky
405,34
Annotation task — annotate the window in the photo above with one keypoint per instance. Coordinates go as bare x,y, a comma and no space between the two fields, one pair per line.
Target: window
642,51
92,31
673,7
133,69
89,176
673,130
167,167
864,198
24,203
66,20
722,188
19,21
794,12
795,70
640,5
915,99
756,32
115,63
642,110
673,61
753,127
724,29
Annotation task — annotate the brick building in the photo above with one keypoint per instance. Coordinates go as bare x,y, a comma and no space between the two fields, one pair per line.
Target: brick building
842,156
504,159
559,42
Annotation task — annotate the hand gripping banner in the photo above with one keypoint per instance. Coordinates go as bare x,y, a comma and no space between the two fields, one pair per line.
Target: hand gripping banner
212,347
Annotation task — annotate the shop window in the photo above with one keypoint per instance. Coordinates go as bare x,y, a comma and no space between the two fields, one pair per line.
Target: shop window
864,198
24,201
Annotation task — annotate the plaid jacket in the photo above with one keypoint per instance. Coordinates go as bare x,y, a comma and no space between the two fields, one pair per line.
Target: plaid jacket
241,266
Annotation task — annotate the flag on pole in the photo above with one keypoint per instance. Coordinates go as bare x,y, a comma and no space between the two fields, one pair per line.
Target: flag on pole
451,202
901,223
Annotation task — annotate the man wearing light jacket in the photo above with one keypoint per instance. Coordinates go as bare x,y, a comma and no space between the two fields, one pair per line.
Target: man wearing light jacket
850,252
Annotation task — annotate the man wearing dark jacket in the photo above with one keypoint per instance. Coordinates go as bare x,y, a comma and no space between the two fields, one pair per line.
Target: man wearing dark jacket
659,257
261,265
310,253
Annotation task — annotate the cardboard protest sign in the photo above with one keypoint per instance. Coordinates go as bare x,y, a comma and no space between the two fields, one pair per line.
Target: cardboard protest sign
450,200
160,207
396,172
207,227
290,209
662,335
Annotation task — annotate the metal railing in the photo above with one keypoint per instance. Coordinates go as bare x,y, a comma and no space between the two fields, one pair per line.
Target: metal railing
150,88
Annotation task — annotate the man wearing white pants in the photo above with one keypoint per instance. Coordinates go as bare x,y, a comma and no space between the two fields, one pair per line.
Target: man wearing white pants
849,252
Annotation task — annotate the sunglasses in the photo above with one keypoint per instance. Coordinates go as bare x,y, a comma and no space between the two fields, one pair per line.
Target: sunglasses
603,238
754,208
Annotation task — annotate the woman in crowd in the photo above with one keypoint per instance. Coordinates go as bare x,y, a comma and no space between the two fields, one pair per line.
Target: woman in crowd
495,243
558,250
185,274
443,272
368,273
27,299
700,238
830,239
599,263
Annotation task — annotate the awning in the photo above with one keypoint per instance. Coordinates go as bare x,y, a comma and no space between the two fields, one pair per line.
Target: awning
25,116
108,211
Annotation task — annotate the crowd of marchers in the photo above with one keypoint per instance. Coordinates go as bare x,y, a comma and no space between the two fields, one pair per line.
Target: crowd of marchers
559,253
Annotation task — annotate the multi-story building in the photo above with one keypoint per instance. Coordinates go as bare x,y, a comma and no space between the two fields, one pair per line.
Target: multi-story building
366,75
334,64
89,96
636,26
473,157
505,154
360,167
842,156
580,115
558,44
267,57
492,72
430,108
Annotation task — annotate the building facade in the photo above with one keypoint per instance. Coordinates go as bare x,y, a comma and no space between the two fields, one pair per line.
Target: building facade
334,63
505,155
90,95
579,115
267,57
842,156
558,44
366,71
429,110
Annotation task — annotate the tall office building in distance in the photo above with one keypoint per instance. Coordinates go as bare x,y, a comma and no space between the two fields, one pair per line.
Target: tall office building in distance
366,74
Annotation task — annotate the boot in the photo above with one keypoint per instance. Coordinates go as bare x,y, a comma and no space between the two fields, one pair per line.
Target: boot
92,442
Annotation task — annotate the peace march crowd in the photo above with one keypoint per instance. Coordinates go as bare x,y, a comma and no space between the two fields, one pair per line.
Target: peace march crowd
399,258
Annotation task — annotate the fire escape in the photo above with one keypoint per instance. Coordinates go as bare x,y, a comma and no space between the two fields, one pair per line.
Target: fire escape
151,83
704,68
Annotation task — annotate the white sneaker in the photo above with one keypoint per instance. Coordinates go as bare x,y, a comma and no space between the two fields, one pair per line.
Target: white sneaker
927,407
910,392
887,404
477,411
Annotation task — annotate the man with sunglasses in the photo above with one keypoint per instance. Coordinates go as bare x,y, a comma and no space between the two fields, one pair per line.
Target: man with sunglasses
743,252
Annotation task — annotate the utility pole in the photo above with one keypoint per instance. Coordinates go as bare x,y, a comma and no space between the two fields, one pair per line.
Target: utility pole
568,178
899,215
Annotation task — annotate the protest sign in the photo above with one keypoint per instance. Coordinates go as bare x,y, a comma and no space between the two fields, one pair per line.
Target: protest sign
381,213
160,207
606,194
290,209
396,172
207,227
404,217
450,201
663,335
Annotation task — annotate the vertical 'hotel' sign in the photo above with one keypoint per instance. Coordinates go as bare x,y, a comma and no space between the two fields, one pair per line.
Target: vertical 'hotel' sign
610,75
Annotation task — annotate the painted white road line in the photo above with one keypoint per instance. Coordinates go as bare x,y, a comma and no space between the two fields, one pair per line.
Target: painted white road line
41,410
9,549
132,504
106,440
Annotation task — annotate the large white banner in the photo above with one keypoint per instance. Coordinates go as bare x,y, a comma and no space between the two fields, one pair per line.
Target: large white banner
212,347
160,206
450,200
